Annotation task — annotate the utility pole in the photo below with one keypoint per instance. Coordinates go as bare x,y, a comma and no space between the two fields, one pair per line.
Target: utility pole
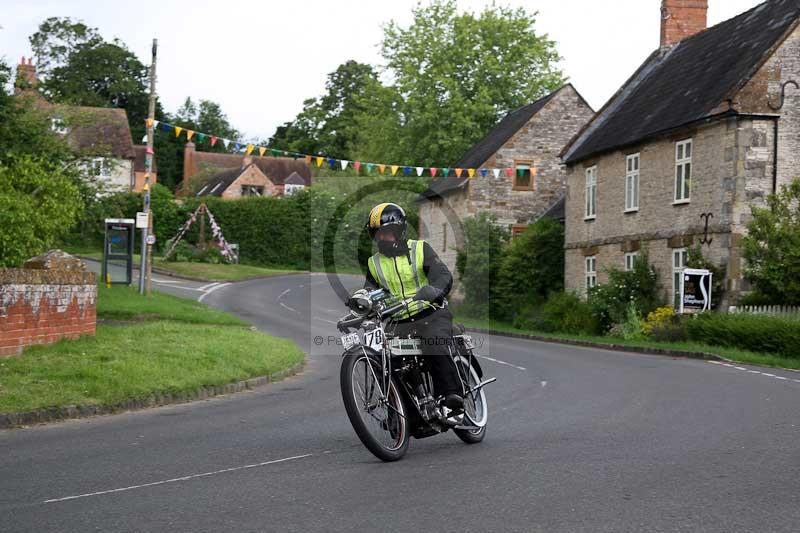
147,249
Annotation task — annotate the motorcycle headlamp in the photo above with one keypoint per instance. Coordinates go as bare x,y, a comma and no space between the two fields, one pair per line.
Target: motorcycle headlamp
360,303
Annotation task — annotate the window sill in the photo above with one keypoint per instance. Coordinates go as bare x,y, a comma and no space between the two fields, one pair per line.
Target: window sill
590,219
629,211
682,202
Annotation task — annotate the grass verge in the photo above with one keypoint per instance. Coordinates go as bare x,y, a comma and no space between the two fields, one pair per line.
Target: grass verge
157,344
741,356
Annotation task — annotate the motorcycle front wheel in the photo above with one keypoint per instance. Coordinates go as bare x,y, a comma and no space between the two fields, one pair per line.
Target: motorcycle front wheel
476,411
375,411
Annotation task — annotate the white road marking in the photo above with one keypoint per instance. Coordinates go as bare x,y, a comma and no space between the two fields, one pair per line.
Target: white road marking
289,308
212,289
326,320
501,362
284,293
176,479
781,378
165,281
205,287
544,384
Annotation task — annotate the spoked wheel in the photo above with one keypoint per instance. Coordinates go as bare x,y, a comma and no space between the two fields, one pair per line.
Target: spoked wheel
476,412
375,410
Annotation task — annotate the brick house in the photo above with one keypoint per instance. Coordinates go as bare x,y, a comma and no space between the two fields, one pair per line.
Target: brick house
697,133
101,136
528,141
234,175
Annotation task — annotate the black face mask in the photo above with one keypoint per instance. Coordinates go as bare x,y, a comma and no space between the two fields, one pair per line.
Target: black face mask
393,248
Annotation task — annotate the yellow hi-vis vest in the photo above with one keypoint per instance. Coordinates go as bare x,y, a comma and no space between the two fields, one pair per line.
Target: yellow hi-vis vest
401,277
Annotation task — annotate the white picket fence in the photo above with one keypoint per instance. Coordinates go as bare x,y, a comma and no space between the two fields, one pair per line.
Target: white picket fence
786,311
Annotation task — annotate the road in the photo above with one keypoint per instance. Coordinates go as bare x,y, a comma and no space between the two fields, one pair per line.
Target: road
579,439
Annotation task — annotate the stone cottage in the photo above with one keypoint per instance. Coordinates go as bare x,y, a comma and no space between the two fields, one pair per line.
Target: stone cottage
101,136
703,131
526,144
236,175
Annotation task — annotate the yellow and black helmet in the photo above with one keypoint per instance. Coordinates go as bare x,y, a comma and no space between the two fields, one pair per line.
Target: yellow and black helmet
390,216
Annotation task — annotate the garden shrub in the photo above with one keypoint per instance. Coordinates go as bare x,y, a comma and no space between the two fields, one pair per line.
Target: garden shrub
757,333
566,312
478,263
664,325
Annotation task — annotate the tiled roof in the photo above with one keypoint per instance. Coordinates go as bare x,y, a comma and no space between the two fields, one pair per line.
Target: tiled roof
686,82
277,169
218,183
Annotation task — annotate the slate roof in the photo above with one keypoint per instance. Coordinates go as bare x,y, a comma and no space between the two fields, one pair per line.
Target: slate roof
685,83
486,147
218,183
277,169
557,210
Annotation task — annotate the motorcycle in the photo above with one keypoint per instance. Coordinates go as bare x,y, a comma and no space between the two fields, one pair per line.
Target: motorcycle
387,385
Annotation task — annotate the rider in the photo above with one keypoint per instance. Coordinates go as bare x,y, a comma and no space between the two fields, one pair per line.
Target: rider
407,268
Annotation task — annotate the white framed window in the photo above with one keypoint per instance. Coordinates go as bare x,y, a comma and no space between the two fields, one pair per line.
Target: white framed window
58,126
680,256
591,271
590,210
683,171
630,259
632,183
100,167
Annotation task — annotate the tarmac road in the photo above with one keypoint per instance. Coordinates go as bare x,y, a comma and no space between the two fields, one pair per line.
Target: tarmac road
579,439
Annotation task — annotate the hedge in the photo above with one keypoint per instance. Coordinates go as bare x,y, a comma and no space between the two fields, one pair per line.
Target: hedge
757,333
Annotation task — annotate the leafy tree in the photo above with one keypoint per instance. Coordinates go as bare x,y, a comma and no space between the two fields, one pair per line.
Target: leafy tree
38,205
772,247
55,41
531,269
458,73
478,263
326,124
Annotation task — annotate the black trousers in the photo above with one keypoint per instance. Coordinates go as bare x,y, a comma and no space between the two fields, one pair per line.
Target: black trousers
435,330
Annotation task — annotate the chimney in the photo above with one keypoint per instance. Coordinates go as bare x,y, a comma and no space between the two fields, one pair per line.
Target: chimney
26,76
189,169
681,19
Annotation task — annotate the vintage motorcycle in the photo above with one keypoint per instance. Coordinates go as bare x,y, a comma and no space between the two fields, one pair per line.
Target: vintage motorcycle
387,386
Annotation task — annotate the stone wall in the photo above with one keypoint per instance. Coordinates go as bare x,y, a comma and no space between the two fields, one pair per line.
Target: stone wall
252,176
52,297
538,143
441,224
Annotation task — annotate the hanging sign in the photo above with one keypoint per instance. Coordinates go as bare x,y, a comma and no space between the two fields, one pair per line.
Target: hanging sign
141,220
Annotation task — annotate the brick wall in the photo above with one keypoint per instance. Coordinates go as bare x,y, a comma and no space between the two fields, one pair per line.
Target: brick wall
51,298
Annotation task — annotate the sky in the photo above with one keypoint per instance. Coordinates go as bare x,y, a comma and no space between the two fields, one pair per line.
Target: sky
259,59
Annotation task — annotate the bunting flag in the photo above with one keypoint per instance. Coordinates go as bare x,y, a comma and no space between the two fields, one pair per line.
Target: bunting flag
333,163
144,139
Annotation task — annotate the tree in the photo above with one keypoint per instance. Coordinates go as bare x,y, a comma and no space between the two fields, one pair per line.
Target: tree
38,205
326,124
772,247
531,269
56,40
478,263
458,74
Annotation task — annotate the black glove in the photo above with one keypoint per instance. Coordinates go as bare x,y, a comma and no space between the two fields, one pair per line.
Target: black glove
428,293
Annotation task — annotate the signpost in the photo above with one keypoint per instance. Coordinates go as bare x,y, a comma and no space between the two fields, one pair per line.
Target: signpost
695,296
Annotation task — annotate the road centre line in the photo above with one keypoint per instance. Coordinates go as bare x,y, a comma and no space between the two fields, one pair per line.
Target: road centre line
501,362
176,479
284,293
212,289
326,320
289,308
767,374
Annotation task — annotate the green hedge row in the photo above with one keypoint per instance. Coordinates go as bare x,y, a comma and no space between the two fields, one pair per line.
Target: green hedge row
757,333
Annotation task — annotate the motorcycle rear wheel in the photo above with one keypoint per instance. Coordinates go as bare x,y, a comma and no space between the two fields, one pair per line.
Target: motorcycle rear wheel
377,416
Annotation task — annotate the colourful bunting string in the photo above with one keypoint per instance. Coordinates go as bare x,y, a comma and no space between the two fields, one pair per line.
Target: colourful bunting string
261,151
213,140
201,137
419,171
226,142
471,172
433,171
496,172
484,172
308,160
178,130
357,166
320,159
344,164
189,134
446,172
381,168
394,169
510,172
458,172
249,149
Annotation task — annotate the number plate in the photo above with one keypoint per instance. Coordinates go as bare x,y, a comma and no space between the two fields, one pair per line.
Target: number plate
350,340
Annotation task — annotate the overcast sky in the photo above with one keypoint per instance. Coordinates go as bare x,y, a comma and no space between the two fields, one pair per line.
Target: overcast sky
261,59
